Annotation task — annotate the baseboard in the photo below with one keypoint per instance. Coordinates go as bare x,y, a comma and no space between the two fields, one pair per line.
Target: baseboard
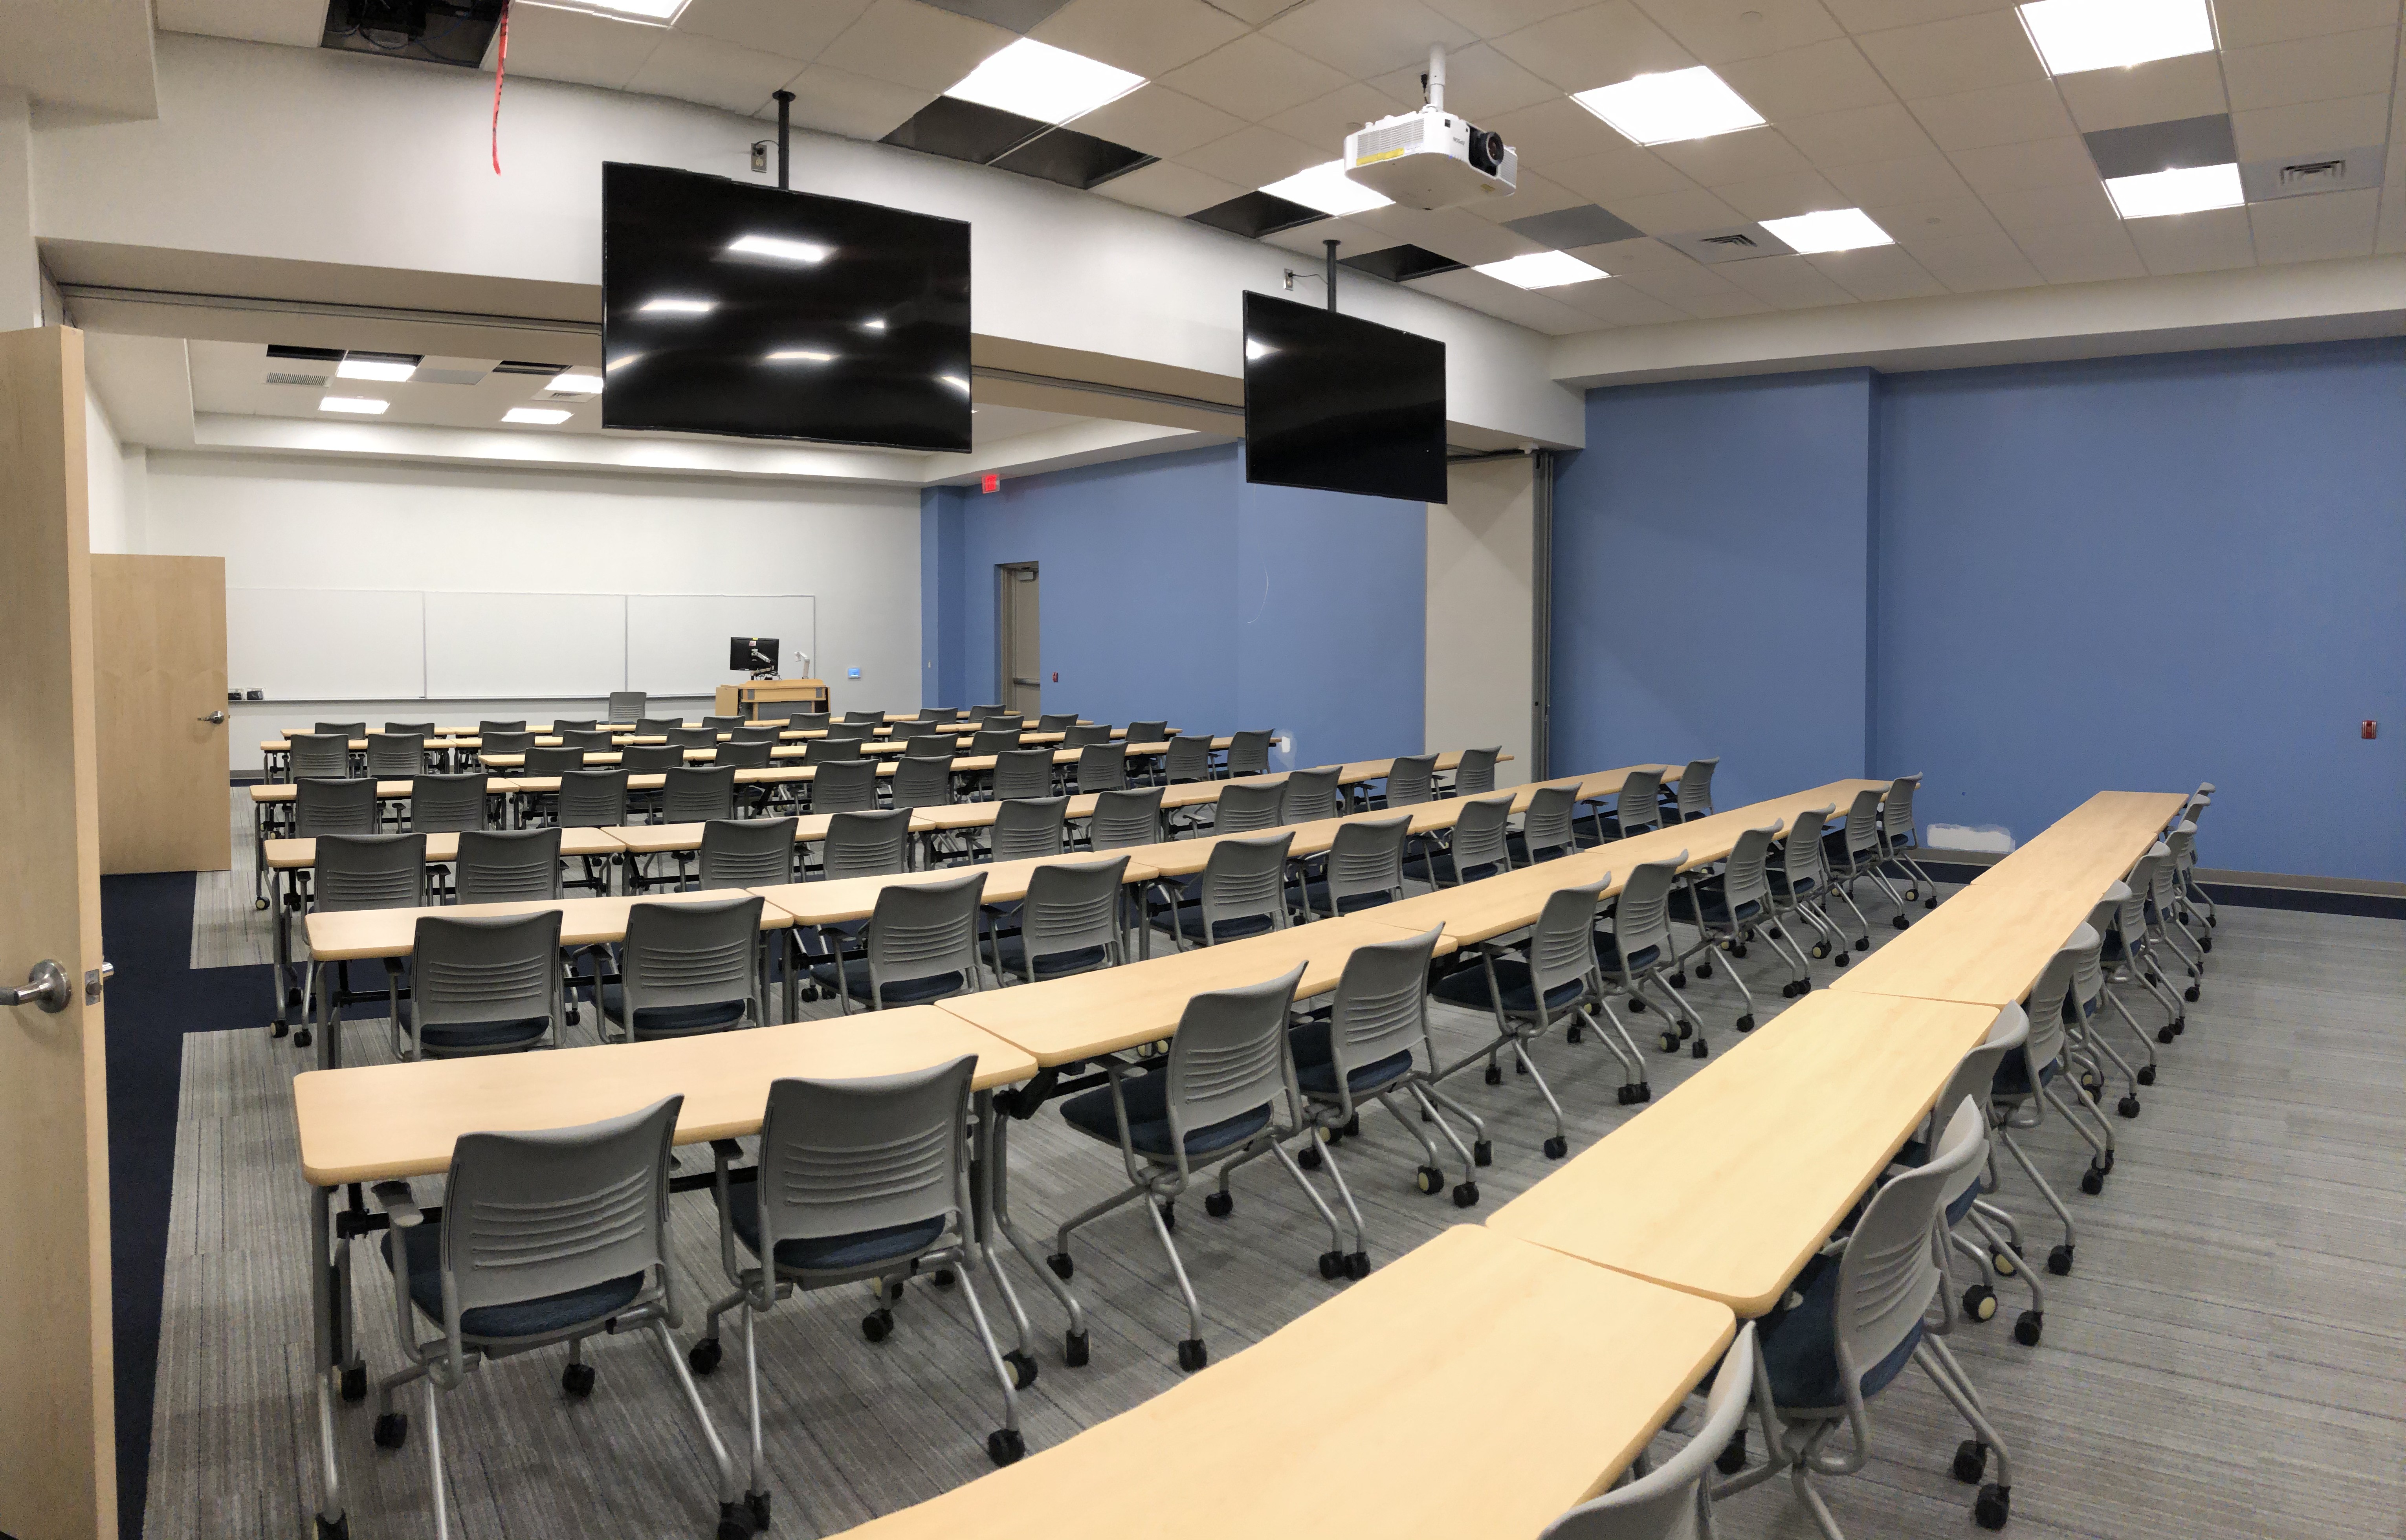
2245,889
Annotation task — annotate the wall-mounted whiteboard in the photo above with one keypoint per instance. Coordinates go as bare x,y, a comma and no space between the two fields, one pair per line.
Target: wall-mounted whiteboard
503,645
676,643
326,643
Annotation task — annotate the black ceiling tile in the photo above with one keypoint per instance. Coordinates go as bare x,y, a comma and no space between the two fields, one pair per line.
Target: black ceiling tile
964,131
1256,214
1072,158
1565,228
438,32
1017,15
1400,264
2176,146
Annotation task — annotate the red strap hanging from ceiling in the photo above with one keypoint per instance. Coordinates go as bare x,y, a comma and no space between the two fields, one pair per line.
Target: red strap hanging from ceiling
500,63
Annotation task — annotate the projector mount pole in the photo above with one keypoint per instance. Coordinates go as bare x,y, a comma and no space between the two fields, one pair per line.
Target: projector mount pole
1432,84
1331,283
784,110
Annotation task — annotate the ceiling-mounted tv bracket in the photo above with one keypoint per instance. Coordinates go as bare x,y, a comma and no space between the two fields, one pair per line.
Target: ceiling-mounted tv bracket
1328,282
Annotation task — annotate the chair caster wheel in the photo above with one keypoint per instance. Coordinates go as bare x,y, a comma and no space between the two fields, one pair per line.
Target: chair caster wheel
2128,1107
1482,1153
1668,1042
1789,990
1023,1369
942,1278
1746,1023
1738,951
877,1325
2005,1264
573,1016
1680,980
1219,1205
1465,1195
1357,1265
2180,1025
2104,1168
339,1530
1074,1348
1169,1214
1557,1146
1429,1180
2027,1327
1698,1049
1844,958
2147,1074
755,1505
2190,993
1645,1093
1900,922
1627,1095
1980,1302
2092,1182
292,1002
2058,1261
1821,949
1063,1269
1354,1126
2166,1033
1571,1033
703,1356
277,1029
262,903
355,1383
1004,1445
1704,967
1332,1266
1495,1074
1732,1458
1308,1157
1911,894
577,1379
1192,1354
1994,1507
1863,943
732,1523
1930,902
391,1429
1971,1462
303,1037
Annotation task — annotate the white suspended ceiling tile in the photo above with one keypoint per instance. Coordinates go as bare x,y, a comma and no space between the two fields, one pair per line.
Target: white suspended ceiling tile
1737,302
773,26
2312,69
1873,15
2082,253
1747,156
1939,220
1617,302
1858,135
1158,121
1614,177
1666,270
2317,228
2311,128
1777,197
2245,23
1254,77
1597,45
2026,208
1496,17
1976,265
1453,233
1997,115
1941,58
550,44
1253,12
1803,82
855,105
1255,156
716,74
1919,179
1553,130
1673,213
2205,242
914,45
1481,84
1718,31
1364,38
1168,188
1877,273
1353,238
294,23
2038,162
1529,307
1786,283
1147,37
1327,120
2390,239
2161,91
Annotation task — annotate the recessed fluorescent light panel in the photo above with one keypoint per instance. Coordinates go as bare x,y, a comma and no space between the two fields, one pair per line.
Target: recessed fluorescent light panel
1661,109
366,406
575,385
1542,270
801,355
2185,192
373,366
1038,80
656,12
777,249
547,415
1830,230
1326,188
2072,37
678,307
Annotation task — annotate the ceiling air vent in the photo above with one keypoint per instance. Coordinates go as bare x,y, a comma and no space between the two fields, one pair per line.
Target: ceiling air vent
1735,242
313,381
2301,175
1740,239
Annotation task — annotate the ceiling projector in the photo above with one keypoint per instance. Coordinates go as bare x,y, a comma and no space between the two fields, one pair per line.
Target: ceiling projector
1431,159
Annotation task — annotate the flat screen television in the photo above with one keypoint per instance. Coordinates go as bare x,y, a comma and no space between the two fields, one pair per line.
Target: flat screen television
752,653
1341,404
729,307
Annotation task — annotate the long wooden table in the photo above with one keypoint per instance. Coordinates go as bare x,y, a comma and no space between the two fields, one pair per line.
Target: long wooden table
2090,848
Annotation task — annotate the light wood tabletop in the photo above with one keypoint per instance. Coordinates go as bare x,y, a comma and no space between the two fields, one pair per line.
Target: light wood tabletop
766,775
831,902
401,1119
1113,1009
1470,1390
664,839
291,855
346,935
1985,946
2090,848
284,791
1314,837
1727,1185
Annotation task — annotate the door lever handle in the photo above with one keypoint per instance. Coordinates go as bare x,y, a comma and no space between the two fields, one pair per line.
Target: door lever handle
45,986
214,719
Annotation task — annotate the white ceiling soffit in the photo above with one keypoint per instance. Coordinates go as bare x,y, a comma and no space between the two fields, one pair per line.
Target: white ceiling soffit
80,60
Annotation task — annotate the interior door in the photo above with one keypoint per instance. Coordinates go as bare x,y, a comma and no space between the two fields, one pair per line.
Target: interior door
1021,687
58,1458
159,661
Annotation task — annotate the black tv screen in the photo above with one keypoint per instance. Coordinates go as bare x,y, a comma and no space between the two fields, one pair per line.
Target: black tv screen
1341,404
728,307
751,653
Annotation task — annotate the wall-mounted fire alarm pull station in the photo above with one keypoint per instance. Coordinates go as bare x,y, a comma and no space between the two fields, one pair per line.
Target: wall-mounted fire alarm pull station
2372,728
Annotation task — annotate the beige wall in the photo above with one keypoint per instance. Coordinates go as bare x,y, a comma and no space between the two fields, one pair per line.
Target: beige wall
1479,678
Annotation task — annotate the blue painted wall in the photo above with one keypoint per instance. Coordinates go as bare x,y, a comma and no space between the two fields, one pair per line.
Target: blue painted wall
1172,588
1710,580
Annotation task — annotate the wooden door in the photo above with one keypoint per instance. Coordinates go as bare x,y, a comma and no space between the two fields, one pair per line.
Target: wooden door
58,1458
1021,687
159,662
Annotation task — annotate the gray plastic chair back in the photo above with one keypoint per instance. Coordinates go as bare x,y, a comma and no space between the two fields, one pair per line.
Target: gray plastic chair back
627,705
741,756
1562,944
1411,779
1087,736
651,758
344,729
1546,826
2130,909
866,844
2088,971
1242,879
2182,843
682,737
883,1152
472,970
1249,753
1365,859
1800,854
592,798
1309,795
1229,1056
1020,774
1124,818
846,786
745,733
1744,887
1244,810
849,732
1073,907
505,740
2044,1008
923,932
421,729
747,852
319,756
370,871
875,718
336,806
2164,888
549,759
1189,759
696,794
396,755
1056,721
980,713
1380,1005
1030,827
1977,1072
722,723
575,724
648,725
1674,1500
1896,812
1482,837
690,955
830,751
1148,732
1103,766
446,804
508,866
1889,1276
1639,806
1474,774
1862,827
1641,916
994,739
490,725
922,781
1695,789
930,745
591,740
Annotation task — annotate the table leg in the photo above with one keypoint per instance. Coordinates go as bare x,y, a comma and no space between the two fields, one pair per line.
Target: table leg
330,1018
325,1330
280,975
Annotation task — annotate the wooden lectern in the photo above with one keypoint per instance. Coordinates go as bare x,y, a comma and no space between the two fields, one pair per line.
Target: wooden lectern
745,699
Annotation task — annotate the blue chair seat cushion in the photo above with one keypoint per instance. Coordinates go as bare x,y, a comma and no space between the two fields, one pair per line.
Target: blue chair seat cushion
666,1021
1607,954
1468,986
1799,1345
1147,1098
440,1037
1315,1067
826,1253
1049,965
529,1318
1438,868
1228,928
1316,896
1779,881
2013,1077
853,980
1519,842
